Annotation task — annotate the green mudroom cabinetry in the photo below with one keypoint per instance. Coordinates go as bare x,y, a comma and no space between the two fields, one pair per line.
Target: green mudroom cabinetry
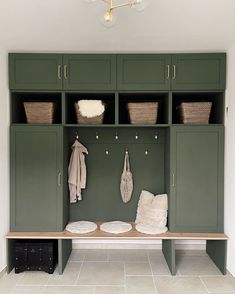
143,72
198,71
184,161
197,179
37,202
93,72
171,71
62,71
35,71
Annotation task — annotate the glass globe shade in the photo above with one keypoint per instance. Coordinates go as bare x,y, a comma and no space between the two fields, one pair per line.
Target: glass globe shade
108,19
140,5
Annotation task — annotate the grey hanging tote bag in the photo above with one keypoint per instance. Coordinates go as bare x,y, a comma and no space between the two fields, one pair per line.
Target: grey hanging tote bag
126,186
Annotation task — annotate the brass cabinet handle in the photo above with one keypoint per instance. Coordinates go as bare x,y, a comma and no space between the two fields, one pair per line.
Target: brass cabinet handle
59,179
59,72
65,72
174,72
173,180
168,72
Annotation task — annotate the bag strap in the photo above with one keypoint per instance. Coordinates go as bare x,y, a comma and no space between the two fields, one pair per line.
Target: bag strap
126,163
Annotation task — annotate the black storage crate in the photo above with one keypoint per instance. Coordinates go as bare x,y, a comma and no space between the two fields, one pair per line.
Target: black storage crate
36,255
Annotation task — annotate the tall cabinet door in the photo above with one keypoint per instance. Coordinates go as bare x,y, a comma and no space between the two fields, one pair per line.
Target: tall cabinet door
89,72
198,71
33,71
196,193
143,72
36,178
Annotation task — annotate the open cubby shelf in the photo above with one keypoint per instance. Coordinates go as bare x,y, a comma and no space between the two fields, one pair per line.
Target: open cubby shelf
116,113
217,99
107,98
18,115
161,98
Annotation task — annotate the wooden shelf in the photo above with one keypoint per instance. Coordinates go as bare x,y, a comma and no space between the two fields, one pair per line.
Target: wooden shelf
133,234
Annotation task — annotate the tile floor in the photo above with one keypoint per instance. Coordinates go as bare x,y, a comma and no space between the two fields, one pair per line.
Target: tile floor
124,272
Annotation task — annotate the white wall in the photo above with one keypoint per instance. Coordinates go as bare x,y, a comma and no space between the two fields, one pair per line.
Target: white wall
230,161
4,159
66,26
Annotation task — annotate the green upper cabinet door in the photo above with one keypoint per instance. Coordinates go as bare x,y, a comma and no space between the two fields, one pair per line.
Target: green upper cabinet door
36,179
31,71
89,72
143,72
198,71
196,193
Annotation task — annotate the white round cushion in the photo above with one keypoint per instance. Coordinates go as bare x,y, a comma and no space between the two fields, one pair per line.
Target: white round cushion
115,227
81,227
151,230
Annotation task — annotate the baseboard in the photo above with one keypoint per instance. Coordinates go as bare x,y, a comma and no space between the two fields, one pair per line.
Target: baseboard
2,273
130,244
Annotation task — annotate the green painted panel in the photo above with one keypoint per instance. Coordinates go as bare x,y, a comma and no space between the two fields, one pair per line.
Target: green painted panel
217,250
10,254
143,72
168,250
89,72
199,71
101,198
196,198
36,194
64,251
35,71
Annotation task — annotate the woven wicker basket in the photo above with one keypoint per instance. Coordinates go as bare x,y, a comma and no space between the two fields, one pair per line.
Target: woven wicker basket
194,112
40,112
88,120
143,112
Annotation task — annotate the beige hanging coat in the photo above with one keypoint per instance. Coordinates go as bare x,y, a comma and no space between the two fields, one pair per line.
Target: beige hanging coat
77,172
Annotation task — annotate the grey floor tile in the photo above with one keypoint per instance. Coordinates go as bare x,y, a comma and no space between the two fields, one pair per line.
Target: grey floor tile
136,268
220,283
34,278
96,255
140,285
196,265
69,276
128,255
109,290
8,282
27,290
101,273
77,255
159,265
179,285
69,290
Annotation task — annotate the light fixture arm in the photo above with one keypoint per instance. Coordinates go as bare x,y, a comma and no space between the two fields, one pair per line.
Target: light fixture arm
113,6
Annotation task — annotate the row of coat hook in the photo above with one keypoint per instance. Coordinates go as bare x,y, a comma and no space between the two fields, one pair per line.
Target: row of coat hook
117,137
107,151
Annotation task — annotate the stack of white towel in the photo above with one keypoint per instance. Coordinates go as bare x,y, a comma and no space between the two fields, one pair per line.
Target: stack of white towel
151,217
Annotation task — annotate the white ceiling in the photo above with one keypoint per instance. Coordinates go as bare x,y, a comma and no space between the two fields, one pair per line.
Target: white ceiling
73,25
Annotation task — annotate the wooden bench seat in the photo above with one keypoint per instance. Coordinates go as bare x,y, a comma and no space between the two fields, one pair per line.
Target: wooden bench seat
216,244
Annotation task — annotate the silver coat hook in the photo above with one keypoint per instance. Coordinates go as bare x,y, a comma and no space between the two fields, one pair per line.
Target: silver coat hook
126,150
136,136
106,151
96,136
116,136
146,152
156,136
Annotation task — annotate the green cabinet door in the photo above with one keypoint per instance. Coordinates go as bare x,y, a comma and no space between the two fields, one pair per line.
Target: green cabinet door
198,71
196,193
143,72
35,71
36,178
89,72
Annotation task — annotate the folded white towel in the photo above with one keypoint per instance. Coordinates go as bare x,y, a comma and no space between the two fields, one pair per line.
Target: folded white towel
91,108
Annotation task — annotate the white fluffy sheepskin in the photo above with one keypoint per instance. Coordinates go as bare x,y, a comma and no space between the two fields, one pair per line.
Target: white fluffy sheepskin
91,108
81,227
150,230
115,227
